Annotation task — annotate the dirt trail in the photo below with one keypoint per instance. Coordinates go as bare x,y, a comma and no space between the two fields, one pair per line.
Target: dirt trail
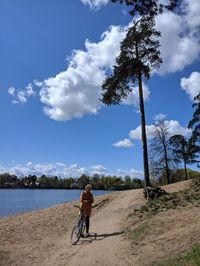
43,237
110,245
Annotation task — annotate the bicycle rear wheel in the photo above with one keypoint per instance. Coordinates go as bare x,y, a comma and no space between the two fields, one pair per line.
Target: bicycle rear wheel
76,233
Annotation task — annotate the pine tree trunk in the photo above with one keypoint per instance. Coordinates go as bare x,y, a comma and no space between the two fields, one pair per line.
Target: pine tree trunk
184,159
143,129
185,169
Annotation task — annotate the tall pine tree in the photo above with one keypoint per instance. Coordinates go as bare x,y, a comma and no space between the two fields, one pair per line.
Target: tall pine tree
139,55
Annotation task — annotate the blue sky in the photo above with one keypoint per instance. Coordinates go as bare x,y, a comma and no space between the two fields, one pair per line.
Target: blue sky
54,56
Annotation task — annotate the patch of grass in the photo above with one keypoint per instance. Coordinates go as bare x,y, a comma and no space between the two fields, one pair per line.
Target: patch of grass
4,256
171,201
191,258
138,232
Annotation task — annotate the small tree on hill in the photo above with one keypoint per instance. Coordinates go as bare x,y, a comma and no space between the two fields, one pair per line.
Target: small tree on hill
139,55
194,124
161,157
179,146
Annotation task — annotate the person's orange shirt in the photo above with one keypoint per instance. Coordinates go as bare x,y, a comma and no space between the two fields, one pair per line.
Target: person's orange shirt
86,202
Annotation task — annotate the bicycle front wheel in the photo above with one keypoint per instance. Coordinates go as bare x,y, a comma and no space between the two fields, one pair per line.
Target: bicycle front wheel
83,228
76,234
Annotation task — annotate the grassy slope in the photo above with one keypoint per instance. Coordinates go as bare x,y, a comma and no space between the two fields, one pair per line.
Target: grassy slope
166,230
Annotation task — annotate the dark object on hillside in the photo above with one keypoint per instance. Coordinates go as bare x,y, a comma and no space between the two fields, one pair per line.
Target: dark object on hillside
153,192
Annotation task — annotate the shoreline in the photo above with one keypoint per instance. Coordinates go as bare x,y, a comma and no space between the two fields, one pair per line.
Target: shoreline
42,237
31,237
19,202
36,237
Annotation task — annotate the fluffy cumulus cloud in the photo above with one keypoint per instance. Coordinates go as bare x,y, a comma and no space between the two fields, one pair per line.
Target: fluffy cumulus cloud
49,169
35,169
173,127
65,171
95,4
136,133
76,91
126,143
160,117
180,41
133,97
132,173
191,84
74,170
98,169
21,96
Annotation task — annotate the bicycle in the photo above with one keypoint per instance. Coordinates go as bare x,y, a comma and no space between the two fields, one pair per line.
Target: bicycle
79,228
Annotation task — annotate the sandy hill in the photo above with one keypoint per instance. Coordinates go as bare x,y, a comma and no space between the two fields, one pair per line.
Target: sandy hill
123,238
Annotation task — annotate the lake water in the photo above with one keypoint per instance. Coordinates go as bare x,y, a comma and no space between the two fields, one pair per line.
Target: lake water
14,201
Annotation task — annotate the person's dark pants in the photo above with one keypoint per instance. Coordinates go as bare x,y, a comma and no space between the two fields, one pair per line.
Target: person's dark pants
87,223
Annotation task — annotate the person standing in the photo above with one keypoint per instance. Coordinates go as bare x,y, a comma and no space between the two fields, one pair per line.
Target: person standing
86,206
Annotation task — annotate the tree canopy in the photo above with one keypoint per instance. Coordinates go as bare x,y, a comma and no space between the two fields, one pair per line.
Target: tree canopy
148,7
139,55
194,124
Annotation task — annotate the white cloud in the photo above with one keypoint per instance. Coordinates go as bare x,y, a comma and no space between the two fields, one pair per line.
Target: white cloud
132,173
76,91
191,9
191,84
21,96
136,133
133,97
11,91
173,128
126,143
49,169
29,90
160,117
98,169
65,171
74,170
95,4
180,40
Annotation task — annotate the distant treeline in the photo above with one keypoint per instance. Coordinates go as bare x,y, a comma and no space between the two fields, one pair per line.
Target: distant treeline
101,182
53,182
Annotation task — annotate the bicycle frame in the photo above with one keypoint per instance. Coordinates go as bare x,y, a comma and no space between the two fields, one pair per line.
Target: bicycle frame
79,227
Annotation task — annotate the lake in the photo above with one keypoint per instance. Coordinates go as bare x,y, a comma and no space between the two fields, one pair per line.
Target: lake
15,201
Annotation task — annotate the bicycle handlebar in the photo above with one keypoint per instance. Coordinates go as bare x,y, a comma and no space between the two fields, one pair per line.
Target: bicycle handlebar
77,207
80,208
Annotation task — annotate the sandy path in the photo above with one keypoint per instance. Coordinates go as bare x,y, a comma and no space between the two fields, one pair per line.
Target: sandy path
110,247
43,237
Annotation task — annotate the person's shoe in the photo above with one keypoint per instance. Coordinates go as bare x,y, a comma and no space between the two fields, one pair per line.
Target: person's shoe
87,235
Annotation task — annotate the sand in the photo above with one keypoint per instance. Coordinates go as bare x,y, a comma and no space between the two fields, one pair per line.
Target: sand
43,237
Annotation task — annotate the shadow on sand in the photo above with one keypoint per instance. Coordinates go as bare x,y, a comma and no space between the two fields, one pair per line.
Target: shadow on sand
109,234
97,237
